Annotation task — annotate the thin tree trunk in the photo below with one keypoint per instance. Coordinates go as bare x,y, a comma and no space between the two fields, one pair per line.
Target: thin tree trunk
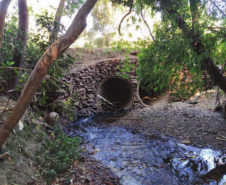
22,42
59,11
57,20
41,69
23,20
3,9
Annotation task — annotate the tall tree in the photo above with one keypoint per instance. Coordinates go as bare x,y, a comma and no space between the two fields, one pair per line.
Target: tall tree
3,9
187,37
103,23
196,36
22,41
45,62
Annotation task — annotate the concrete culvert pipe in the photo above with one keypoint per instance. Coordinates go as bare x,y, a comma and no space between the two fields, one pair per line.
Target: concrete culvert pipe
117,91
149,97
144,95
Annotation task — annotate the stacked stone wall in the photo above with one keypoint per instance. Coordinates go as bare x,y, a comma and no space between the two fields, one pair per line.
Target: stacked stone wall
86,81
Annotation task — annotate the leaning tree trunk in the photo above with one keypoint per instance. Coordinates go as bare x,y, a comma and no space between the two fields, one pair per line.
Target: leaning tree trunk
22,42
57,19
215,74
199,48
36,77
3,9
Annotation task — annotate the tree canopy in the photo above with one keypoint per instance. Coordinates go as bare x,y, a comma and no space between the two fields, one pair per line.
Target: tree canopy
191,35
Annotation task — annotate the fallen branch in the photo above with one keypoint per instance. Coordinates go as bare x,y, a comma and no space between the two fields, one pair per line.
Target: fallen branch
220,139
106,101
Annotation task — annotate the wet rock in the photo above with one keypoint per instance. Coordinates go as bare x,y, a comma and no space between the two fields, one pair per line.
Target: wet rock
91,96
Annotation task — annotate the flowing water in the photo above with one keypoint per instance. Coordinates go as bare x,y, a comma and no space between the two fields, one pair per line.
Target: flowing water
140,159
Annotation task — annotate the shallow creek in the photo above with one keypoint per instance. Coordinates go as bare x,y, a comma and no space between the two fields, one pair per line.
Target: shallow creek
141,159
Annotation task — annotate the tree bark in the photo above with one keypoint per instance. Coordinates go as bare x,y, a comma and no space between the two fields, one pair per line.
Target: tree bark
3,9
36,77
23,20
22,42
57,19
215,74
59,12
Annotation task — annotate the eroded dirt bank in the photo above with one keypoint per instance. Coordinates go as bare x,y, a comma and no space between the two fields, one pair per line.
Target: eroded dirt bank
195,124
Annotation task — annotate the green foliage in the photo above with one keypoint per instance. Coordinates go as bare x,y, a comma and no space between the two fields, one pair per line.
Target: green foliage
122,45
125,67
71,6
36,46
103,31
11,43
57,155
45,24
130,46
161,63
11,47
53,82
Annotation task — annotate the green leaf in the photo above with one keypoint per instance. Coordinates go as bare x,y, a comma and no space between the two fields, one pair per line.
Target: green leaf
16,71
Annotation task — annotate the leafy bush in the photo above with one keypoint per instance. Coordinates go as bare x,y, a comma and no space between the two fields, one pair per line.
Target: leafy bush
58,154
37,43
161,63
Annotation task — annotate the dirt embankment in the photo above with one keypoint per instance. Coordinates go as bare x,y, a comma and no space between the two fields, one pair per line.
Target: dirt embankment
195,124
87,57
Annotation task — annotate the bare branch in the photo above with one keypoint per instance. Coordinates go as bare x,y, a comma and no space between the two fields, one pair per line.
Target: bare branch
130,10
147,25
218,7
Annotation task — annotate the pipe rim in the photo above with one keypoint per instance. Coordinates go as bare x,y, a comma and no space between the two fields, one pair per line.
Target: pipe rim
138,95
118,77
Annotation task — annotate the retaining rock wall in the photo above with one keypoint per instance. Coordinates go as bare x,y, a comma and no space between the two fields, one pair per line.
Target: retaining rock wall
86,81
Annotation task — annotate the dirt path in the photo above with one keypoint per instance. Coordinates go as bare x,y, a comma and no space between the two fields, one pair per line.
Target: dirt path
87,57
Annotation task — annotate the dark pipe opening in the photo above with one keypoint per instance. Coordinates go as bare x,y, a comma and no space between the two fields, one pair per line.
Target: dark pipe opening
148,96
117,91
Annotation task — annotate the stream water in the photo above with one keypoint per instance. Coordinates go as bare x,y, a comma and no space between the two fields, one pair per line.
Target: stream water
140,159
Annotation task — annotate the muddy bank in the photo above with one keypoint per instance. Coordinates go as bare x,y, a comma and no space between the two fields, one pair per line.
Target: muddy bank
153,145
194,124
